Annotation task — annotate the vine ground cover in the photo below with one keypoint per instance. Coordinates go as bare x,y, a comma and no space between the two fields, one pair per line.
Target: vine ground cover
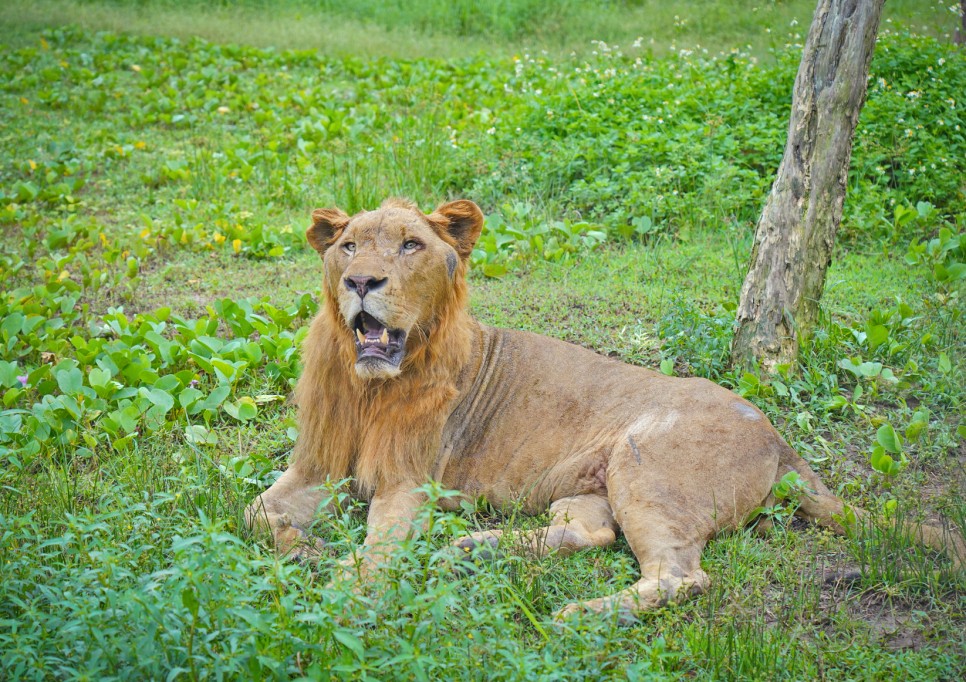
155,290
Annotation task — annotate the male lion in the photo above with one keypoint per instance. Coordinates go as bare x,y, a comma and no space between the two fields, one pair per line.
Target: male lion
402,386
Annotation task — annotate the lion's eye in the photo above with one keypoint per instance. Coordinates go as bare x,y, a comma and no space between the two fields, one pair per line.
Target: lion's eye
411,245
349,247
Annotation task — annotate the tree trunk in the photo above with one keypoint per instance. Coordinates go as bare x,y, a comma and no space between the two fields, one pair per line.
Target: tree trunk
796,231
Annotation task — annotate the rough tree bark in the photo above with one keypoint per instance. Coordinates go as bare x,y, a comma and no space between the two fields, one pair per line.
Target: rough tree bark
796,230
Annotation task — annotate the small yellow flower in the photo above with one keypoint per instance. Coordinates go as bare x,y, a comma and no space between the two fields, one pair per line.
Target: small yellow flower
219,238
145,233
32,164
24,100
63,275
135,68
223,110
140,145
236,245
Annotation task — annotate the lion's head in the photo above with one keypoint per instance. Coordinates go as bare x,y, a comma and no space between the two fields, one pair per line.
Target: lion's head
392,274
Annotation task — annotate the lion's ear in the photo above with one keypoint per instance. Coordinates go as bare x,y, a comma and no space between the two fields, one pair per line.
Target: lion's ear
464,223
327,224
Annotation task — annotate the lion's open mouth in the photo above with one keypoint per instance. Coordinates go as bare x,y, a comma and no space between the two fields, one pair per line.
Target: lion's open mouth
375,341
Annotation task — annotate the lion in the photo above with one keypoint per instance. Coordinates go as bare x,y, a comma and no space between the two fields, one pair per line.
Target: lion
402,386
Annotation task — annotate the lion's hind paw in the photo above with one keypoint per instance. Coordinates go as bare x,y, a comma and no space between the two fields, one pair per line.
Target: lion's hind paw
482,546
475,550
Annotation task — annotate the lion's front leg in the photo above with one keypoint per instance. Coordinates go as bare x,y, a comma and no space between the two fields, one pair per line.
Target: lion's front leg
287,510
393,517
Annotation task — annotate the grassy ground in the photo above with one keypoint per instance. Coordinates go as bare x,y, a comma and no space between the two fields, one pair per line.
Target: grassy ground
155,289
433,28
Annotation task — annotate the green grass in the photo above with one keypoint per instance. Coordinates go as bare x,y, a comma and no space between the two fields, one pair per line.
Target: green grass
435,28
153,195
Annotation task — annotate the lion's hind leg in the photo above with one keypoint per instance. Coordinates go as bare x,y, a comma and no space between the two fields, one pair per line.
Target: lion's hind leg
666,525
670,569
576,523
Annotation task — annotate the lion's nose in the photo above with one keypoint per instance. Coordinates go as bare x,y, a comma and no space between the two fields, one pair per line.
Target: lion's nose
363,284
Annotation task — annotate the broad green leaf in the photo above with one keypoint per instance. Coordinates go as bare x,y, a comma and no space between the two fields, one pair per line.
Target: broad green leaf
159,398
9,374
70,381
914,430
876,335
944,364
98,377
242,409
889,439
839,402
189,396
494,270
216,398
123,443
196,434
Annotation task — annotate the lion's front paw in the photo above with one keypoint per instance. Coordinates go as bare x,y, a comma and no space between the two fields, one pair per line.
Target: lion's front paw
354,572
294,543
621,611
567,612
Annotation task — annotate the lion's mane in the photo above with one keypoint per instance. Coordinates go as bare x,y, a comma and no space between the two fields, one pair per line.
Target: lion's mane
381,431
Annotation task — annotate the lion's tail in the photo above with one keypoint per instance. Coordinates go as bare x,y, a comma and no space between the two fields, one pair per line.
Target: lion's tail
827,510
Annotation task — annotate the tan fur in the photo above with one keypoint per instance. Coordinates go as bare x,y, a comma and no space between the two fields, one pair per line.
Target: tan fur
513,417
